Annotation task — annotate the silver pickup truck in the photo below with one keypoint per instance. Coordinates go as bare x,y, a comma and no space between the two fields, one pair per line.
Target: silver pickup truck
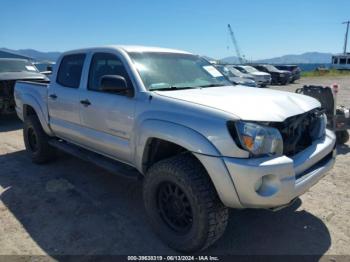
199,144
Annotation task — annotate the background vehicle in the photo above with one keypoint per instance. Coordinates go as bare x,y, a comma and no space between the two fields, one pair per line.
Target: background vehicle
294,69
171,118
341,61
338,116
261,78
11,70
45,67
282,77
235,76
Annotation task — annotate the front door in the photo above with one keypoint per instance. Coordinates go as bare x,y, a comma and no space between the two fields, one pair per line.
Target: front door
107,118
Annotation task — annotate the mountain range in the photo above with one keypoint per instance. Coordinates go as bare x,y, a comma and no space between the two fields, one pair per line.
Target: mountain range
305,58
34,54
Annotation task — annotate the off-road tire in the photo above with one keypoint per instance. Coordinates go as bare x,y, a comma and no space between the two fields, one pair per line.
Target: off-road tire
342,136
210,216
43,151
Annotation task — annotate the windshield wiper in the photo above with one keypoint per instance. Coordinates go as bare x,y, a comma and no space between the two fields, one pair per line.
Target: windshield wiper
173,88
211,85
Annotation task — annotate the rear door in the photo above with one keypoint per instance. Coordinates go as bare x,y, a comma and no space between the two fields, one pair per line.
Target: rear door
63,98
107,118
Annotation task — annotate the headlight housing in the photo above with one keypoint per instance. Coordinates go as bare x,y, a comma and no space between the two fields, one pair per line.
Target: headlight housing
260,140
319,127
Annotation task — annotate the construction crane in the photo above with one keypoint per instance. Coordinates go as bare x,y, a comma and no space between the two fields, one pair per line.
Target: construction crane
235,44
346,35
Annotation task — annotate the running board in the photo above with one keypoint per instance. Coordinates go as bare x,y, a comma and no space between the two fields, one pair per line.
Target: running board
108,164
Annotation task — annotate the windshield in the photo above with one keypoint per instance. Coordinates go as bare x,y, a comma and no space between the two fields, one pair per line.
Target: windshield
235,71
169,71
271,68
224,70
16,66
250,69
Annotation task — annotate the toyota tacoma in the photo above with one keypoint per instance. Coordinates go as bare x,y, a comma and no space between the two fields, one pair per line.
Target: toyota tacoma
200,144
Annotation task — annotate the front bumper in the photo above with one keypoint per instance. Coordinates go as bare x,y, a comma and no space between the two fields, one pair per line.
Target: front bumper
263,82
276,181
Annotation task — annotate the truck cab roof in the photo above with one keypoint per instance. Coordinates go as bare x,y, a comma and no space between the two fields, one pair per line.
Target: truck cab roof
128,49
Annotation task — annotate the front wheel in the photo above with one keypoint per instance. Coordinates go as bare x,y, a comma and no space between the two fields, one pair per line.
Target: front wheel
182,204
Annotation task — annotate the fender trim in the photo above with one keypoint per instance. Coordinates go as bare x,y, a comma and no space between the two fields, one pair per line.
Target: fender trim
197,144
28,100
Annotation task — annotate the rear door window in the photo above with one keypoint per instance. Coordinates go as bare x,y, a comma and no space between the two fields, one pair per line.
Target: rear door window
69,73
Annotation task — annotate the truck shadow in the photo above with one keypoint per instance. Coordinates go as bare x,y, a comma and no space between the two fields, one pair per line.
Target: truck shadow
10,123
343,149
70,207
289,231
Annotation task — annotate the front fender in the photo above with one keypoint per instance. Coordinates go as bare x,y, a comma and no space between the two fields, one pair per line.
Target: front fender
174,133
196,143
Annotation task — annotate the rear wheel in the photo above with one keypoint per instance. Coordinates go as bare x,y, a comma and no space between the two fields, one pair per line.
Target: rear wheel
182,204
36,141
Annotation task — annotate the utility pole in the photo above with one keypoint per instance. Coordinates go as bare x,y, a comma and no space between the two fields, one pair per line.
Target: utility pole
346,35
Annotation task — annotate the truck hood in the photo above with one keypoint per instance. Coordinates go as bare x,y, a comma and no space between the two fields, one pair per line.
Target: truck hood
248,103
260,74
237,79
282,72
22,76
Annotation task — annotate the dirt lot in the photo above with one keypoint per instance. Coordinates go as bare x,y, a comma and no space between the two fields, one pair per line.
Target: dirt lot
72,207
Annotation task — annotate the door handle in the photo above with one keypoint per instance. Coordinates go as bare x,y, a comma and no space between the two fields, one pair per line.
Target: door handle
85,102
53,96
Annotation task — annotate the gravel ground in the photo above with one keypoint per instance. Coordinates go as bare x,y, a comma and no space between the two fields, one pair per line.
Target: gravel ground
72,207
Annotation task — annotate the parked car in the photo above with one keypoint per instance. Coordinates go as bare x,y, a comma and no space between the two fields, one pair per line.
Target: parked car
11,70
282,77
294,69
45,67
200,145
261,78
235,77
236,72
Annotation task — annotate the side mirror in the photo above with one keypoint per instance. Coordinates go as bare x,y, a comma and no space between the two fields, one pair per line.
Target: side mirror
114,83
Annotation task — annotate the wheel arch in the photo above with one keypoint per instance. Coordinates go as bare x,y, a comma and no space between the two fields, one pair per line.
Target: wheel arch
183,139
178,137
31,107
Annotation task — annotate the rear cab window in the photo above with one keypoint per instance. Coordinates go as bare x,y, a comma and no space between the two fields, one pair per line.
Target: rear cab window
70,70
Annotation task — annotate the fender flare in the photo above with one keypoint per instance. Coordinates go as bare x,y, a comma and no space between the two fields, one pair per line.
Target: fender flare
28,100
174,133
206,153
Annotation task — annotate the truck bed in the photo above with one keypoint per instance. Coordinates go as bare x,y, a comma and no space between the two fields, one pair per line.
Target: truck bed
33,91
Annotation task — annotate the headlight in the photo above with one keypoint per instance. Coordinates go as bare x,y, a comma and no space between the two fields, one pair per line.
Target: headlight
259,140
318,129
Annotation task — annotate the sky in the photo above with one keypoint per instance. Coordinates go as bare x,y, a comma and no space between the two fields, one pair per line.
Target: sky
263,28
